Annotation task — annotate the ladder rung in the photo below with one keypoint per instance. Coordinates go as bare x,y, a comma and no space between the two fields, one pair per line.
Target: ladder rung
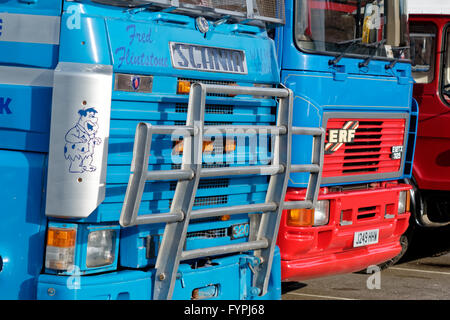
181,130
305,168
159,218
231,248
170,175
214,212
298,205
254,91
307,131
261,170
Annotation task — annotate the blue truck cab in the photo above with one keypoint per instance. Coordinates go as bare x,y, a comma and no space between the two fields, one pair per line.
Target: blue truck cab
119,177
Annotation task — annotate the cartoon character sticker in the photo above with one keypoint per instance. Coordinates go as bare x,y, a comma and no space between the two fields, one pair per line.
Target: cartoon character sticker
81,141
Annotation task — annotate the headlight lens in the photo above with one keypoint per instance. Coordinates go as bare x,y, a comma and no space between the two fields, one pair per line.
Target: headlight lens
318,216
60,250
100,248
322,213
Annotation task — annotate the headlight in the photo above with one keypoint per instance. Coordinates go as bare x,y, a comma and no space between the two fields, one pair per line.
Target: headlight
403,202
100,248
318,216
322,213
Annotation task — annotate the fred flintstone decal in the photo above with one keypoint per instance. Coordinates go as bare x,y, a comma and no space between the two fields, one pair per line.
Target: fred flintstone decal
81,141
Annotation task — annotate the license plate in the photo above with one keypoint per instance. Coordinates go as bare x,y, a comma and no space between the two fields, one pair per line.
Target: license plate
240,230
363,238
202,58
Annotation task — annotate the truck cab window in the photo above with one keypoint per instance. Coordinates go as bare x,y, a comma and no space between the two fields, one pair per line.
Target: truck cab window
331,26
423,51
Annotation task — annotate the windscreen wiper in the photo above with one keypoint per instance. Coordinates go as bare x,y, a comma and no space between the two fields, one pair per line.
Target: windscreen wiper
377,45
338,58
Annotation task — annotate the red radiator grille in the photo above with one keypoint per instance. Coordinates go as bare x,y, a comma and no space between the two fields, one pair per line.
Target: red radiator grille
370,152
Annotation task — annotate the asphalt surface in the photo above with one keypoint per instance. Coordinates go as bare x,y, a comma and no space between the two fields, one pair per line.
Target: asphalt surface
422,274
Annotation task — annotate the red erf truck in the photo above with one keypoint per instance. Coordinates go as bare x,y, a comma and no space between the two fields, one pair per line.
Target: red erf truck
430,42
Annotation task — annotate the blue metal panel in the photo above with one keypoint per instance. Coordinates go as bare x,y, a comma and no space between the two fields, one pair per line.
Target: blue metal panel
34,54
84,43
132,55
23,223
41,7
124,285
25,117
28,54
412,137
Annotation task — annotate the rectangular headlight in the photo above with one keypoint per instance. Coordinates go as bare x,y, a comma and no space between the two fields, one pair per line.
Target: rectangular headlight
318,216
101,248
403,202
322,213
60,250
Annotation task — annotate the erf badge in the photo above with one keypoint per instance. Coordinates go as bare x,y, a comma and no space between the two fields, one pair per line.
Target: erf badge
81,140
337,137
202,24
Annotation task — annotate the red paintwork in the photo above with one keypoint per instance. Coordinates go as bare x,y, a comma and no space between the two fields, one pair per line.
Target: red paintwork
311,252
432,154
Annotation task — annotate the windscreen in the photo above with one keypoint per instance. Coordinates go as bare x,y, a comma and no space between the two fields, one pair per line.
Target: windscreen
353,27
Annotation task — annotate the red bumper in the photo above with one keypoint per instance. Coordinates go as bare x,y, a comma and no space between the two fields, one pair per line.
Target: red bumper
311,252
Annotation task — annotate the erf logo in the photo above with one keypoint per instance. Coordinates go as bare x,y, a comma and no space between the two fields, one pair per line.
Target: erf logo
337,137
4,105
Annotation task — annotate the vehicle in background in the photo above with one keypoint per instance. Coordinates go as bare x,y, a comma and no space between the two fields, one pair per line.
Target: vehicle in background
429,26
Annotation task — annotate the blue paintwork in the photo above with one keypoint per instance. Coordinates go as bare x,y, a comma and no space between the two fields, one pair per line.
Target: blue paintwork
27,125
22,233
16,53
319,87
104,38
230,274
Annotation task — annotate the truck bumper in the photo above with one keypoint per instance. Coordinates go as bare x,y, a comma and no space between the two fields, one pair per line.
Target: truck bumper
226,278
312,252
337,263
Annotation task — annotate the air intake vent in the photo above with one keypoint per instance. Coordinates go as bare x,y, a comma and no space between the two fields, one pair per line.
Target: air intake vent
207,184
208,201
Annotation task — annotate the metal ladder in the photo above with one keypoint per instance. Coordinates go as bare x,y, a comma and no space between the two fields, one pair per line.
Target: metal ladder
264,228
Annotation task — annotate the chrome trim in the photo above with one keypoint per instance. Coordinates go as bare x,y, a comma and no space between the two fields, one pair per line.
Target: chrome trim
30,28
